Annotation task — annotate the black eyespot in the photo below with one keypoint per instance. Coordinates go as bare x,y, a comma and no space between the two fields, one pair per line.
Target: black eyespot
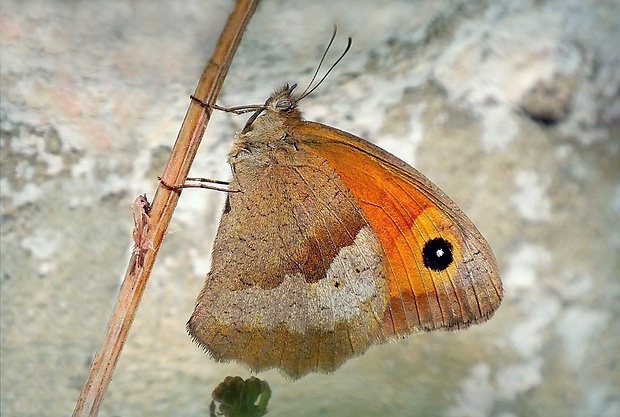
437,254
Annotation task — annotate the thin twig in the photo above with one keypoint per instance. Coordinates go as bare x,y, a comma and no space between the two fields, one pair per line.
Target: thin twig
161,210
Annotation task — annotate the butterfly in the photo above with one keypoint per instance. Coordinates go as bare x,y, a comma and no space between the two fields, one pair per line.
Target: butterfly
327,245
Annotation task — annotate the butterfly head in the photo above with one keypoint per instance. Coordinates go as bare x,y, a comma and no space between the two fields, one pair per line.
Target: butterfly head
282,102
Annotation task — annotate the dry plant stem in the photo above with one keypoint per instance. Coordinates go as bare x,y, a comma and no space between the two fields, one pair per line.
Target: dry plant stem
163,206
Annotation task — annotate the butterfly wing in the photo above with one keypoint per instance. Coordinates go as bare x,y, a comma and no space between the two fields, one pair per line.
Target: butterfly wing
297,279
330,245
441,271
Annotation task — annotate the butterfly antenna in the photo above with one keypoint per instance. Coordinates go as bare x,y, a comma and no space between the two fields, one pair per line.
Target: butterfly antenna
308,89
318,67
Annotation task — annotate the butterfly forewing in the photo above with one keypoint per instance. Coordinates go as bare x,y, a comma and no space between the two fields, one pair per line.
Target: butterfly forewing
441,271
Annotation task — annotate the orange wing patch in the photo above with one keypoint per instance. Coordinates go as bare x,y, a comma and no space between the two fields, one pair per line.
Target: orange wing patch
403,223
396,203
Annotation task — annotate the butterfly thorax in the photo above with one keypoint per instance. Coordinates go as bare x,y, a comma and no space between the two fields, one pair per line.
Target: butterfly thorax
267,136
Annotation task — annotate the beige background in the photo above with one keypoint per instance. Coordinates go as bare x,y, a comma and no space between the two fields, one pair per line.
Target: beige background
93,94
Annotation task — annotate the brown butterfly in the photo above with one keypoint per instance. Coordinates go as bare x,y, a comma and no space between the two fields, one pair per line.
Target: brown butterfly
330,245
